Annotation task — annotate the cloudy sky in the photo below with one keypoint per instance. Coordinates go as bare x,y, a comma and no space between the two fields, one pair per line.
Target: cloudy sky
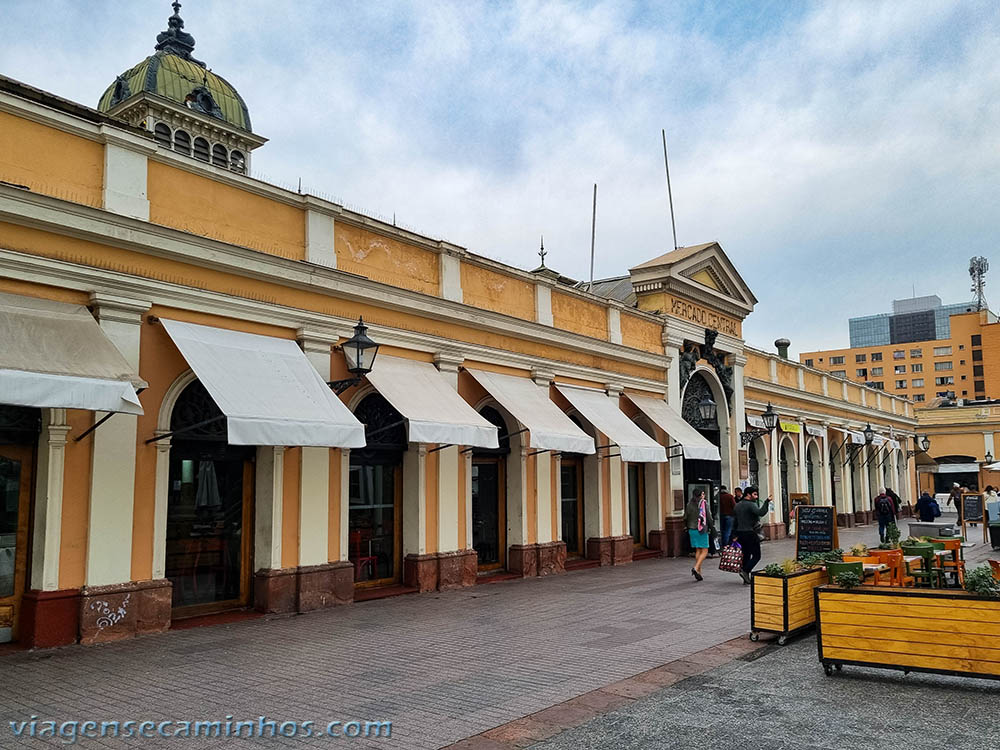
843,153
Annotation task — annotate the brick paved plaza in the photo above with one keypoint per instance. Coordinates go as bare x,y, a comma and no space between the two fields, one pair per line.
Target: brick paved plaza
441,667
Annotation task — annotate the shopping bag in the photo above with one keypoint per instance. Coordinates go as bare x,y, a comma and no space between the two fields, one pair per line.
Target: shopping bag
731,560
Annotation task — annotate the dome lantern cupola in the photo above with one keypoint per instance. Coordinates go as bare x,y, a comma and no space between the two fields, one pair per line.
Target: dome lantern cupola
188,108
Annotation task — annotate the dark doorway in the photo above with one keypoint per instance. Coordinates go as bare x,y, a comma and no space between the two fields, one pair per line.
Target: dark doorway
209,510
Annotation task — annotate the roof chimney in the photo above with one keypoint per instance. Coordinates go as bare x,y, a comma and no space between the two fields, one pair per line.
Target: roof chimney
782,345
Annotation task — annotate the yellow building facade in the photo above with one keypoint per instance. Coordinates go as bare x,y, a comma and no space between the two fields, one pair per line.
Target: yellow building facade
170,448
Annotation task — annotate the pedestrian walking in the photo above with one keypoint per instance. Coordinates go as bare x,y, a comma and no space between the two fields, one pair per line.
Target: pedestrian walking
748,514
727,511
927,507
955,498
698,519
885,511
896,499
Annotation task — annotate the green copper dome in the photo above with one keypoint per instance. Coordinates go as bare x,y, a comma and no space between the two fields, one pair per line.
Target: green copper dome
171,72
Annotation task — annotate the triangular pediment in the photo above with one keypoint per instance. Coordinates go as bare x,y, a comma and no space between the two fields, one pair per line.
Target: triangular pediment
701,273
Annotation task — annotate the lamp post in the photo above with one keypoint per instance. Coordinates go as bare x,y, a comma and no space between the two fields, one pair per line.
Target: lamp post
770,418
869,434
921,443
707,409
360,352
988,458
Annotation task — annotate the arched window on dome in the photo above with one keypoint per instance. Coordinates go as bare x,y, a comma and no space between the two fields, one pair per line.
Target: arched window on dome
237,162
219,156
182,142
200,149
162,135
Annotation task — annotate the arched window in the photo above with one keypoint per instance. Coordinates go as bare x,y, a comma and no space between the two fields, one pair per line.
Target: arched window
209,510
161,134
219,156
237,162
201,149
182,142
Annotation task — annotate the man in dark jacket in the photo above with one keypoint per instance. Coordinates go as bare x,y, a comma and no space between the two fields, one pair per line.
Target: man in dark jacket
748,514
927,507
885,511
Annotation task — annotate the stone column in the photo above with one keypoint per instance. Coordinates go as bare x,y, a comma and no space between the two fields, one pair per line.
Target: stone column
274,586
866,484
49,616
824,462
802,461
142,606
775,526
321,582
455,567
739,420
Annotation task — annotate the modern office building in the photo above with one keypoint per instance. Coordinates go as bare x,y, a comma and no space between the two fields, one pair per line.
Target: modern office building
913,319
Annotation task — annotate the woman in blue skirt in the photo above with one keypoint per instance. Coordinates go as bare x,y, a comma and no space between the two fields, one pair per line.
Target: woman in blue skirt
698,520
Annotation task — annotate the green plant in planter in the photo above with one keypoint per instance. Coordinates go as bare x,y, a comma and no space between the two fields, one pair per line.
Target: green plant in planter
847,579
774,569
892,536
981,581
859,550
834,555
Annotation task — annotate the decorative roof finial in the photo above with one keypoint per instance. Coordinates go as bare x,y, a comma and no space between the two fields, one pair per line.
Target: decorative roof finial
175,40
541,251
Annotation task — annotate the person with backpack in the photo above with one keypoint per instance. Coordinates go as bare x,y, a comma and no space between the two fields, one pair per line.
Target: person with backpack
885,510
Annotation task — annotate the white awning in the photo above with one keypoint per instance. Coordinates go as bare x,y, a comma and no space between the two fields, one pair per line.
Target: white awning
266,387
878,440
815,430
957,468
664,416
858,438
434,411
54,354
757,422
548,428
894,444
602,411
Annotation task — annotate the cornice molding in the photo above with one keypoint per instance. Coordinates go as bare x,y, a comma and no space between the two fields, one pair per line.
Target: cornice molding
780,390
40,270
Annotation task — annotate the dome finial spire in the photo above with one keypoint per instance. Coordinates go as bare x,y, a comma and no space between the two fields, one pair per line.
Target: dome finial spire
175,40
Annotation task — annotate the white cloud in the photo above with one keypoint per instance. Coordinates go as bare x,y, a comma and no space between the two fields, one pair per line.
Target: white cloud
838,154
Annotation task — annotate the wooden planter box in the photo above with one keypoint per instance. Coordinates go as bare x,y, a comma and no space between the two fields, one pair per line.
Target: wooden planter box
783,604
920,630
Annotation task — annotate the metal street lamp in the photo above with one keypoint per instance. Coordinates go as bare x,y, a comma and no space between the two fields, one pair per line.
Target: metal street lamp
988,457
869,434
707,409
360,352
922,444
770,419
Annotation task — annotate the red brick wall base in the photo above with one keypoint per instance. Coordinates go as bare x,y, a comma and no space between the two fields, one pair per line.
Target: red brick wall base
49,618
610,550
544,559
441,571
322,586
124,610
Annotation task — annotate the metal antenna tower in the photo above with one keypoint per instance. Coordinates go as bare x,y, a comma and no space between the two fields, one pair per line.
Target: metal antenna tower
978,267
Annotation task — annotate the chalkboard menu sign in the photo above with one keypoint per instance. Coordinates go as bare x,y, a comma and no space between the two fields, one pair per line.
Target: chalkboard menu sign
972,507
816,530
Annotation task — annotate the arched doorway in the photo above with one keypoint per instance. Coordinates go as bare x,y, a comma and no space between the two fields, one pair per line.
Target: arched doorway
375,495
571,501
705,475
19,429
489,496
788,477
209,542
812,472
